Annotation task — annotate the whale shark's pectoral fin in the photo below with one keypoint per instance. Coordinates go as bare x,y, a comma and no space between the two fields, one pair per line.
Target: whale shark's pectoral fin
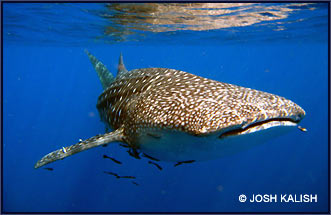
105,76
95,141
121,68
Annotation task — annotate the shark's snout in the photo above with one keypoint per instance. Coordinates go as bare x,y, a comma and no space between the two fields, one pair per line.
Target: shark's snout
298,113
289,110
279,112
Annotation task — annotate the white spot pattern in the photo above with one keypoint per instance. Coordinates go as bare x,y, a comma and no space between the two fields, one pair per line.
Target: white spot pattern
143,99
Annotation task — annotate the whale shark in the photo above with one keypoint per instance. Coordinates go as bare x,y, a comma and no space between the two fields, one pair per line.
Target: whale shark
172,115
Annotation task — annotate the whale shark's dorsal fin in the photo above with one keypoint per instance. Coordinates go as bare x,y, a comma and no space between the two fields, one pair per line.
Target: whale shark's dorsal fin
92,142
105,76
121,68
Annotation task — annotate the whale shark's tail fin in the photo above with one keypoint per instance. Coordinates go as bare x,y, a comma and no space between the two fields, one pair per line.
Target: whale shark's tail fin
105,76
95,141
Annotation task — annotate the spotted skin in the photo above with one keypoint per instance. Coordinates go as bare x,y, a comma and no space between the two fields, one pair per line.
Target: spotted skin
147,103
162,98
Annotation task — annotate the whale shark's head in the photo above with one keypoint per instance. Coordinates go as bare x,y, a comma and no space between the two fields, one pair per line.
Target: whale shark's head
265,112
191,115
203,107
226,127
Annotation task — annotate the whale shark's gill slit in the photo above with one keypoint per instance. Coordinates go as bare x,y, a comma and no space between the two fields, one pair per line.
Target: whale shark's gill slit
238,131
155,136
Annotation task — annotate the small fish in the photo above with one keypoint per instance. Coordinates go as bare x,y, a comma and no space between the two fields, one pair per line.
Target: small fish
135,183
181,162
147,156
302,129
155,164
133,152
118,176
131,177
111,173
113,159
49,168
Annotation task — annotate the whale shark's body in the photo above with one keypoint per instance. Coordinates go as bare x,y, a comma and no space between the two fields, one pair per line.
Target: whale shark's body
173,115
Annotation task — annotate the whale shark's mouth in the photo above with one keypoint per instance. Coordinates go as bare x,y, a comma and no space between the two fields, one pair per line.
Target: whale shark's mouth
259,126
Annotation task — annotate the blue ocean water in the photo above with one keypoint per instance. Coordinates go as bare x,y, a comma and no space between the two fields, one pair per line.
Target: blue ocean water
50,91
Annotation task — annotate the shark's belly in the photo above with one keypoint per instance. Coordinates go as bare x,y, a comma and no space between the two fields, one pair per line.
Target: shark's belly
176,146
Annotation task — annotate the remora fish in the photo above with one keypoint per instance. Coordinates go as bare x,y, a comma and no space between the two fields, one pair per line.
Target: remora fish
174,115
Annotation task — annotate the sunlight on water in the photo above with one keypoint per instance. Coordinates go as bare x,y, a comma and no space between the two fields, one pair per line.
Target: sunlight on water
194,16
121,22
